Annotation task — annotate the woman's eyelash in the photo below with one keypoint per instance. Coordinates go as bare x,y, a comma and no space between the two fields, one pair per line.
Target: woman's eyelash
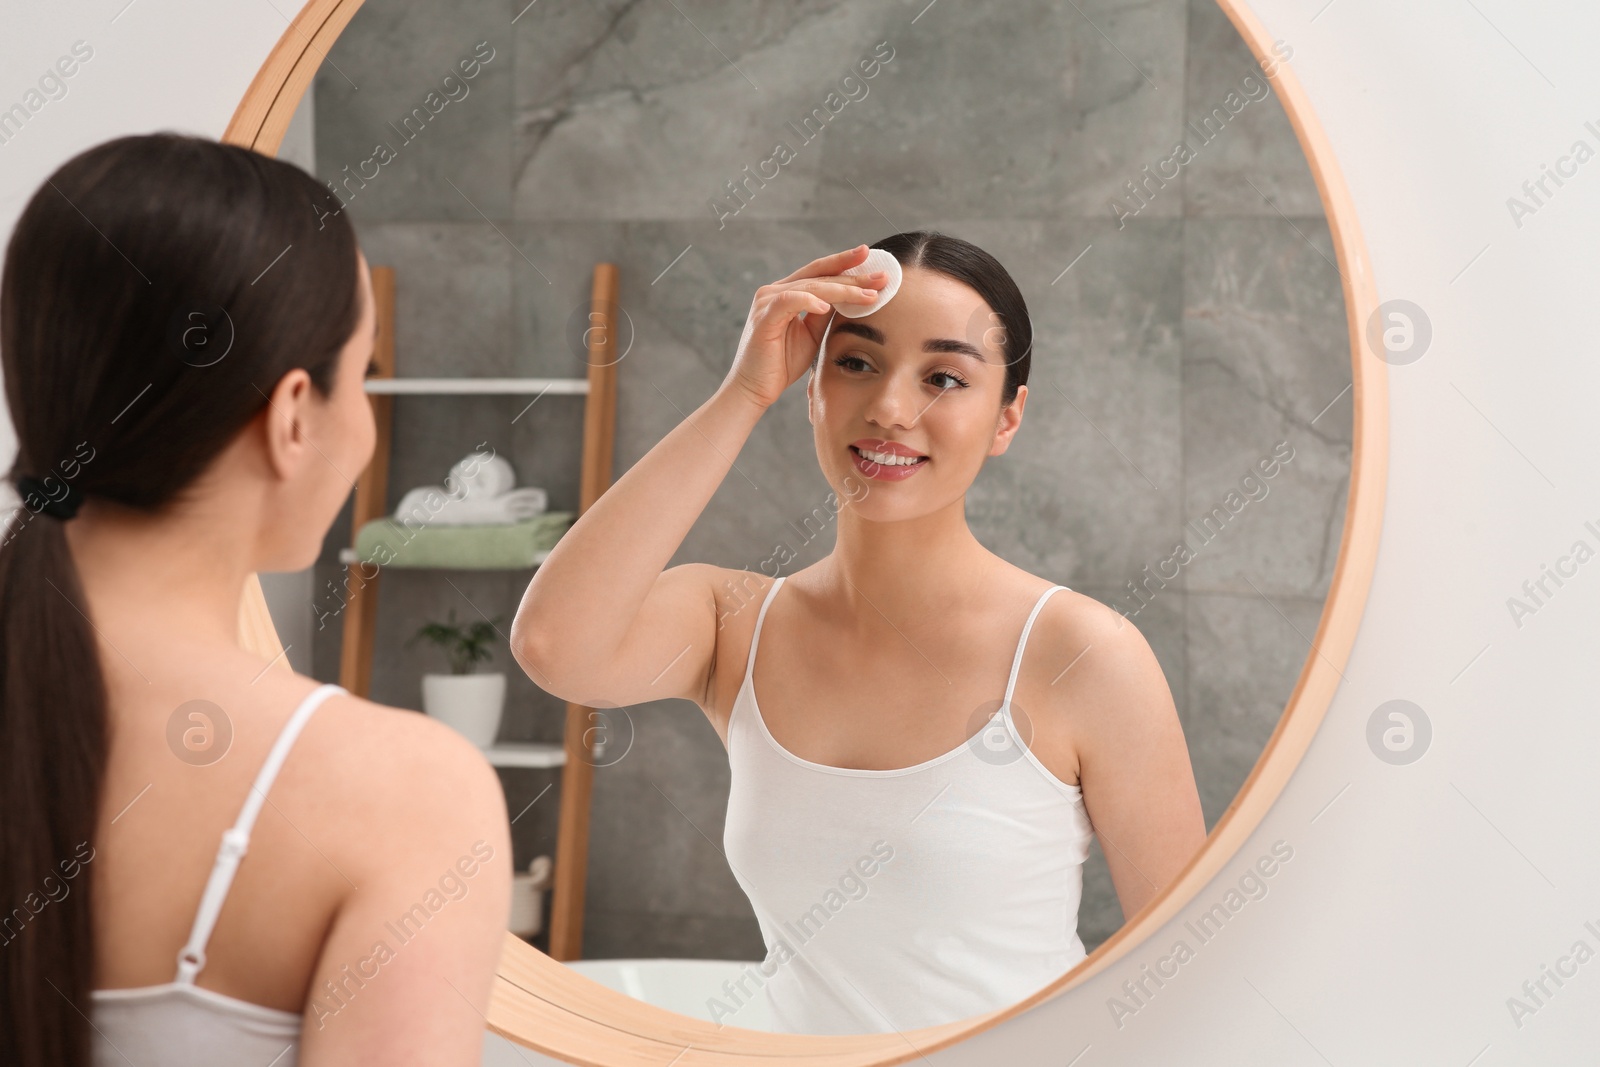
962,383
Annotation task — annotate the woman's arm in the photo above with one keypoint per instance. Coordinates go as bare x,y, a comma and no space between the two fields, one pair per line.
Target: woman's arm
1133,764
600,623
419,831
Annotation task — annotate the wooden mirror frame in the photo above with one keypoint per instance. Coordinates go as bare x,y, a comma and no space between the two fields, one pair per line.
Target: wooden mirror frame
543,1005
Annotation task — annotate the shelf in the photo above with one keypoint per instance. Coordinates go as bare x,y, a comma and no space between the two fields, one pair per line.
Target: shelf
506,551
447,386
349,556
526,754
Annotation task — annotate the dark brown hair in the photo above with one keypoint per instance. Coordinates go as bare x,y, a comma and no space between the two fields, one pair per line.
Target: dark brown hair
156,288
1007,321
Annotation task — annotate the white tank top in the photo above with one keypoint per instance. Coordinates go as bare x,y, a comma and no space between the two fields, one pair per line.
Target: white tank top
179,1024
903,898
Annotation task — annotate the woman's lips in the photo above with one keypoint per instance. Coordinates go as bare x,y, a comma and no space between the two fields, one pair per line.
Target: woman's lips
884,472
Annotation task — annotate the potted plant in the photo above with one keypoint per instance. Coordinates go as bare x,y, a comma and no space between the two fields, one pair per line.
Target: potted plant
471,703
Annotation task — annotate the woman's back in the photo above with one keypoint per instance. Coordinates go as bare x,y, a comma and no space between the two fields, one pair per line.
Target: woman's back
185,378
179,1020
368,808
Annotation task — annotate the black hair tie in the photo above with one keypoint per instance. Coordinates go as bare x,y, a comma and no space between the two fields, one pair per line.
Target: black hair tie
63,509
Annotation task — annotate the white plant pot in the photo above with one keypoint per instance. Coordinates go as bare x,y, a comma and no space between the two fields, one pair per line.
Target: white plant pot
527,898
470,703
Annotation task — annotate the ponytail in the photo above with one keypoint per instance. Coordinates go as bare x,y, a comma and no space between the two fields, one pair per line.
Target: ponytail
52,763
130,251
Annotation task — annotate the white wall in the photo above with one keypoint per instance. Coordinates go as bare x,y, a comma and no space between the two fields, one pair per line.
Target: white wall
154,66
151,66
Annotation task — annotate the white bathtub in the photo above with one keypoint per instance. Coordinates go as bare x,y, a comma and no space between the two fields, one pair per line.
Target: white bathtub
680,985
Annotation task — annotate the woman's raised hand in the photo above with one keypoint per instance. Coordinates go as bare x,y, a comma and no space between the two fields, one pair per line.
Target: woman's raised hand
778,345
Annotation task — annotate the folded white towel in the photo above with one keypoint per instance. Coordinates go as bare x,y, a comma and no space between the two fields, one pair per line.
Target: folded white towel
477,492
480,474
433,505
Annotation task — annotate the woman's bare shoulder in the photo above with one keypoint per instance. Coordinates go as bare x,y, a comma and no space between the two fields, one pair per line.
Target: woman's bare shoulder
391,774
1081,643
1100,662
398,731
390,741
1070,614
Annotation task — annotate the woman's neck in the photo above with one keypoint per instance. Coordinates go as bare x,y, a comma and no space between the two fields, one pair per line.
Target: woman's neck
913,569
176,577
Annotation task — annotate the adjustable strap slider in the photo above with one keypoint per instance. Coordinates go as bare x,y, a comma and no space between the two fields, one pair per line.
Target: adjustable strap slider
190,960
235,842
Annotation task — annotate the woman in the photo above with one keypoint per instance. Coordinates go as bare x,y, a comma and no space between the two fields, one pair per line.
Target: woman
908,819
185,328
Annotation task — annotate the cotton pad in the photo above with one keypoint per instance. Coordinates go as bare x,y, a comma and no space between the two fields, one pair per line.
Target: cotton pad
877,259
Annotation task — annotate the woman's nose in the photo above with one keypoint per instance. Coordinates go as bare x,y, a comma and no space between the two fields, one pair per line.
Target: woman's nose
897,401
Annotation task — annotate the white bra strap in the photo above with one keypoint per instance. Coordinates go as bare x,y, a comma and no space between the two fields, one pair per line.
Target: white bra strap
236,839
1016,661
755,636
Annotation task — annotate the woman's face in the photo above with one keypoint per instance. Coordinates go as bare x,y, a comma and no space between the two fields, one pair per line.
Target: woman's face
926,372
349,390
343,432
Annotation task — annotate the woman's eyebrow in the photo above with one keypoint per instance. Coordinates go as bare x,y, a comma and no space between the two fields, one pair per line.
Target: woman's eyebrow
954,347
933,344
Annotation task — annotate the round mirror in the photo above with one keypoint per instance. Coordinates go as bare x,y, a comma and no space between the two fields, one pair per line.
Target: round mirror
1173,485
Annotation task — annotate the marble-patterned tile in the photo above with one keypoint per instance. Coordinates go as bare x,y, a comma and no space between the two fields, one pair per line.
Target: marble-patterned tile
552,283
1245,157
1033,110
404,130
820,110
1267,406
657,818
637,111
1245,656
609,935
1099,911
452,295
1089,488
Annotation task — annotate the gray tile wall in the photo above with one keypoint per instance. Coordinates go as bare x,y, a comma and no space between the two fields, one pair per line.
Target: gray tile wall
1185,343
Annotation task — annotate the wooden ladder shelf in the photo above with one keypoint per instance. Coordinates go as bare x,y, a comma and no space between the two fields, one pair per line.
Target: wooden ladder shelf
360,613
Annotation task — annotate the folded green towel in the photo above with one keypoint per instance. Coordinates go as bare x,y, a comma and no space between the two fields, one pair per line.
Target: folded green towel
510,546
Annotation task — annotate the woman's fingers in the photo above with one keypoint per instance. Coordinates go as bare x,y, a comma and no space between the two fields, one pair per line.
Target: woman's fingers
846,290
830,264
816,325
817,297
778,344
851,291
784,306
797,300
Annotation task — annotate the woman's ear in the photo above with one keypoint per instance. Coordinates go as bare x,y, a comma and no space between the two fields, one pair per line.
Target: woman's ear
286,440
1010,421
